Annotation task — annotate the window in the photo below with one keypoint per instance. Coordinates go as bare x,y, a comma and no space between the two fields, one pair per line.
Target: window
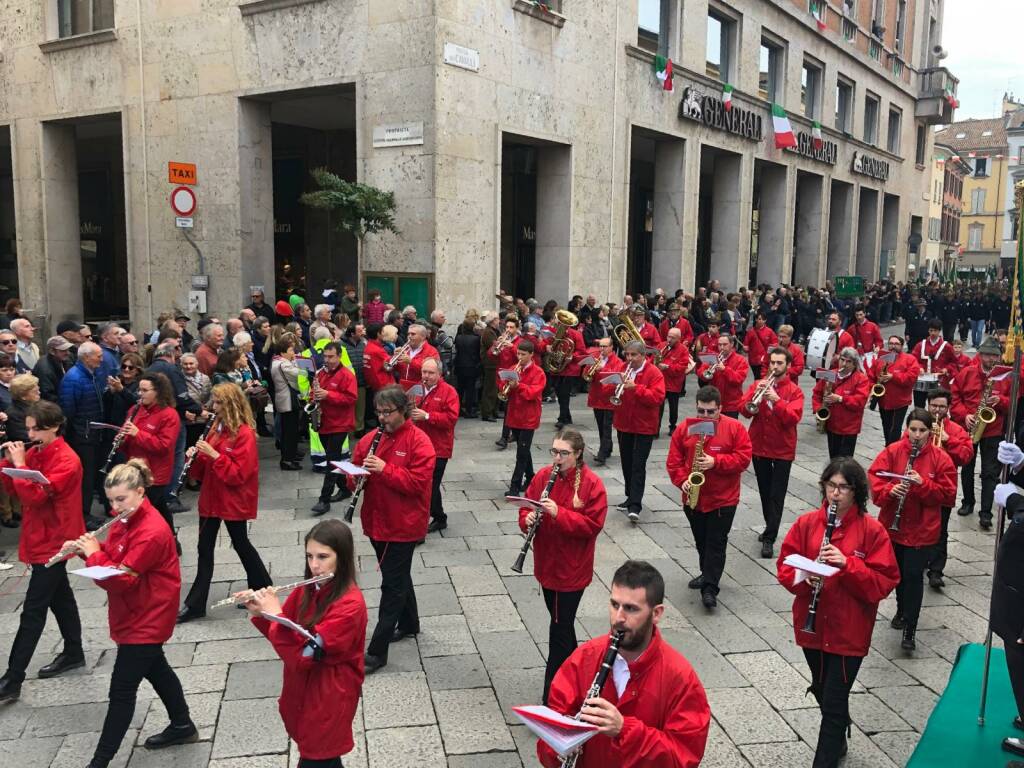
849,31
974,233
875,50
721,29
810,88
934,229
871,119
981,166
653,26
844,105
977,201
77,17
901,24
922,138
878,19
895,127
772,67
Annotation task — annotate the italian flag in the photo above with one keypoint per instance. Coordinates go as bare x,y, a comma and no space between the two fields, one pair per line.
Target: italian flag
819,142
727,97
818,12
663,71
783,130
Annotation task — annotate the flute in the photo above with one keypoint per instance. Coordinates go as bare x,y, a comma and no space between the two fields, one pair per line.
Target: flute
517,566
66,552
362,480
247,595
188,462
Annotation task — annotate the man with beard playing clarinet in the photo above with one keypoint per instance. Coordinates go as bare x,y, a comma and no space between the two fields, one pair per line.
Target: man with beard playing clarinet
335,391
847,601
773,438
911,511
652,711
436,414
563,546
845,402
898,377
598,396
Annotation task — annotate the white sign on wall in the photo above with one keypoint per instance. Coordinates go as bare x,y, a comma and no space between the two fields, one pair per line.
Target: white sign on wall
398,135
462,57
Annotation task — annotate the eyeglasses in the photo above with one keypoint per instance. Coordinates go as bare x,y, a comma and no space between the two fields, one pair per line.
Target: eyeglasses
8,341
706,411
560,454
387,412
841,487
128,367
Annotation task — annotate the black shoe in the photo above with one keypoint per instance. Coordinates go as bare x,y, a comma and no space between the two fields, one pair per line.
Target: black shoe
93,523
671,429
935,580
599,461
62,663
898,622
171,735
1014,746
708,599
1018,723
320,508
624,504
696,582
9,690
502,443
290,466
186,615
12,523
399,635
985,522
488,418
965,510
908,643
437,525
559,424
767,550
513,490
634,515
372,663
341,494
320,469
175,507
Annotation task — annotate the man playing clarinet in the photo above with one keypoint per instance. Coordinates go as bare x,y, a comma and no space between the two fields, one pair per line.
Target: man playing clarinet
436,413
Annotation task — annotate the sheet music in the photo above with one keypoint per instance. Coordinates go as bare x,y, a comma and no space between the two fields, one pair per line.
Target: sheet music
98,572
33,475
611,378
563,734
508,374
348,468
806,567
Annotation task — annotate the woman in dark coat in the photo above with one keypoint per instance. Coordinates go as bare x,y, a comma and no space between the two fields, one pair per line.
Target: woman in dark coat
468,365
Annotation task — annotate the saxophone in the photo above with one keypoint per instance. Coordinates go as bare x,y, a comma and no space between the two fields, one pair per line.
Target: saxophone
696,478
985,414
822,415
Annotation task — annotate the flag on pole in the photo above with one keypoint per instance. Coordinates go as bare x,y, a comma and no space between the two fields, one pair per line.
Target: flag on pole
783,130
819,142
1016,335
818,12
727,97
663,71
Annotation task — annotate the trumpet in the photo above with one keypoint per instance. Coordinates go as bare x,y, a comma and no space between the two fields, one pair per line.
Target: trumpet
65,552
628,375
501,342
569,761
985,414
118,439
506,388
709,372
696,478
754,404
937,434
241,598
399,354
821,416
591,370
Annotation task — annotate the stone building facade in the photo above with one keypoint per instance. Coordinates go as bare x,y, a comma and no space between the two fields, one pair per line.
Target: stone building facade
530,147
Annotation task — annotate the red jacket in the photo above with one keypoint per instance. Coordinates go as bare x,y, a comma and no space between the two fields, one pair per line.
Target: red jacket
506,356
846,417
758,341
409,373
773,428
374,358
230,487
158,434
523,409
640,410
338,409
684,328
396,502
442,403
797,366
899,390
959,446
866,336
649,333
921,519
845,340
579,352
731,449
967,388
50,514
142,608
664,709
944,360
848,603
318,698
597,396
676,361
707,343
563,549
729,380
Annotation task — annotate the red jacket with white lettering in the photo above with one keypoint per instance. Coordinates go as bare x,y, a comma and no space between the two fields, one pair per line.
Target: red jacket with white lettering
944,359
773,428
758,341
442,405
143,606
230,487
374,358
523,409
848,603
846,417
728,379
396,501
967,389
597,397
899,390
338,409
50,514
866,336
729,446
409,373
675,361
158,434
684,328
665,713
563,549
640,410
921,519
797,366
318,698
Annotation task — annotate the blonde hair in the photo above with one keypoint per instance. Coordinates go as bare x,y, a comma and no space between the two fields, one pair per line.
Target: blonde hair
22,384
234,407
134,473
388,333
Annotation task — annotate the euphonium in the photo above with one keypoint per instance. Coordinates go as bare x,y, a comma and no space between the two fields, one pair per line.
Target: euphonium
985,414
822,414
626,331
754,404
696,478
506,388
560,350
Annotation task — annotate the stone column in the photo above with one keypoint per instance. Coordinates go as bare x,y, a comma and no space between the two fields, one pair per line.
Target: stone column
554,221
256,196
809,223
772,221
840,230
891,227
727,221
58,160
867,234
667,248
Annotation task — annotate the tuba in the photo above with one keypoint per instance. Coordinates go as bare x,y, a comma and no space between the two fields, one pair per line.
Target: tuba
626,331
560,350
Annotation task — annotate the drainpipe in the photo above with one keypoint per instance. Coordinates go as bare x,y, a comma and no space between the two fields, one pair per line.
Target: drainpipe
615,126
145,161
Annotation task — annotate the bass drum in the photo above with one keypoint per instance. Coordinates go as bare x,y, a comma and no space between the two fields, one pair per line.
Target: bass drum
821,347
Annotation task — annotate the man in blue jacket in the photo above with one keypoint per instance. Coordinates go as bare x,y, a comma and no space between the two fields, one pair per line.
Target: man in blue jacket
81,398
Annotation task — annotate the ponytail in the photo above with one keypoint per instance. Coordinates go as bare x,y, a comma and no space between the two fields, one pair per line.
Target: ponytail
134,473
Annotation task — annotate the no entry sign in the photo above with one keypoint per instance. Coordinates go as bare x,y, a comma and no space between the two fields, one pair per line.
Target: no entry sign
183,201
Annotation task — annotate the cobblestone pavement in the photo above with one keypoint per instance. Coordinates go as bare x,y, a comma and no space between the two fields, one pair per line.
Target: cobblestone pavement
445,698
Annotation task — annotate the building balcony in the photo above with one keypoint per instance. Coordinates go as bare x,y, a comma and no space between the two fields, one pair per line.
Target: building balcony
936,99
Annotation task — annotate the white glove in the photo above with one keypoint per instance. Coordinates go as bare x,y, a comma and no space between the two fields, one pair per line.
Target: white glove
1010,454
1003,493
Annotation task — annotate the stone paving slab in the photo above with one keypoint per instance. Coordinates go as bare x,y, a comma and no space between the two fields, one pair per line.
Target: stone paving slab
471,721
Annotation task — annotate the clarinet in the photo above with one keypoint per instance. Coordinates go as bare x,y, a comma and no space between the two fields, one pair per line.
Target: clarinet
362,480
517,566
915,449
812,609
118,439
188,462
569,761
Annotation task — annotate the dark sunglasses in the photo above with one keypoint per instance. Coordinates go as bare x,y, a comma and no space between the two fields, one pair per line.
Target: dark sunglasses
128,367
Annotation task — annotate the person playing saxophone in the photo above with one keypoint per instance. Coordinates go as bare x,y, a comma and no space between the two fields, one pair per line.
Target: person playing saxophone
846,402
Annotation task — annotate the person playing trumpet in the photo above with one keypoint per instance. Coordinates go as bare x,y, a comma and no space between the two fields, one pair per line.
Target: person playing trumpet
675,364
707,342
727,375
522,414
898,379
845,403
411,362
795,350
759,339
598,396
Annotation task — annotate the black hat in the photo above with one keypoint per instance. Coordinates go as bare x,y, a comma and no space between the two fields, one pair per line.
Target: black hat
67,325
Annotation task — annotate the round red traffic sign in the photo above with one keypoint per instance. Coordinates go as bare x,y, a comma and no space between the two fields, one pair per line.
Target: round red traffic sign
183,201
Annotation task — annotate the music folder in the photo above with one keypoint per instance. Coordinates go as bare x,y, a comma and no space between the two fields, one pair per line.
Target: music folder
610,379
522,501
563,734
33,475
507,374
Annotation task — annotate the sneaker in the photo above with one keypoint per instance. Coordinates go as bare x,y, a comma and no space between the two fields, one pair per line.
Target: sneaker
320,508
633,515
623,505
935,581
766,549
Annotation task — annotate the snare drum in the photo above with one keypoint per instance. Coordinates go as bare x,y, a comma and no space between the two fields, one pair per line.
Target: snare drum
821,347
926,382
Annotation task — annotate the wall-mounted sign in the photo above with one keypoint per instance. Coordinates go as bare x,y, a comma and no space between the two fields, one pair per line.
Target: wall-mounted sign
398,135
711,111
462,57
181,173
183,201
829,152
870,166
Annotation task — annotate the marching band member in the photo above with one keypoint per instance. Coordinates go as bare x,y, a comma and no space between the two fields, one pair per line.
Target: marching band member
648,332
758,341
898,378
795,350
228,464
962,360
336,391
773,439
840,637
436,414
866,335
675,364
677,319
846,403
931,486
597,397
726,454
376,356
142,604
727,375
636,422
522,413
504,351
935,355
395,512
955,441
410,363
843,338
51,514
566,380
653,711
968,387
321,687
708,341
563,546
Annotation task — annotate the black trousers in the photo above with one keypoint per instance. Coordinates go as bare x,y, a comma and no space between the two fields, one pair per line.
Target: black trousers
563,388
604,418
1015,666
523,472
397,596
633,452
290,435
135,663
256,574
732,414
892,423
938,561
910,591
772,484
333,445
157,495
48,590
672,398
89,456
990,469
756,370
832,677
331,762
465,385
920,400
841,445
711,535
489,394
562,607
436,504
